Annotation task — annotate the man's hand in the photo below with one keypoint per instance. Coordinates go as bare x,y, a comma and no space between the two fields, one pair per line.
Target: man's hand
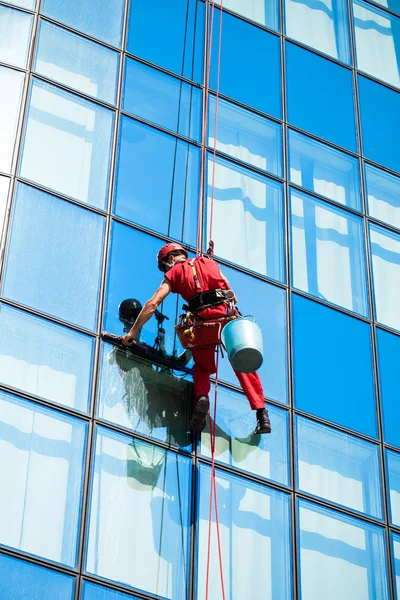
128,340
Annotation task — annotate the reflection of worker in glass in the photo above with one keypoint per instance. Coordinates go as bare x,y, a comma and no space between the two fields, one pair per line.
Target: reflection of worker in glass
194,280
154,399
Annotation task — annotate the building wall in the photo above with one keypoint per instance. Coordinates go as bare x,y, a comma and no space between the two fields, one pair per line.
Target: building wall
104,492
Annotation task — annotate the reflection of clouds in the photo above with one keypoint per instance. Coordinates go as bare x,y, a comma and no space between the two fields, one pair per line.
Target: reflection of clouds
11,83
383,195
385,248
327,253
41,480
141,518
376,49
246,218
338,467
340,557
257,10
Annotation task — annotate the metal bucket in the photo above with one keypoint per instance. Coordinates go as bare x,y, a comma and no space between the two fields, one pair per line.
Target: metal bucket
242,339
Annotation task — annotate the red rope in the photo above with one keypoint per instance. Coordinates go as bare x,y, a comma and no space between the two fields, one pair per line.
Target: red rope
213,495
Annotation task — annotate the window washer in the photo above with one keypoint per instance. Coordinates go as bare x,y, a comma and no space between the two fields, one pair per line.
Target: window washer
201,284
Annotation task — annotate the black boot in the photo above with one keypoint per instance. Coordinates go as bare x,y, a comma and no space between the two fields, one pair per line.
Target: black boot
199,416
263,422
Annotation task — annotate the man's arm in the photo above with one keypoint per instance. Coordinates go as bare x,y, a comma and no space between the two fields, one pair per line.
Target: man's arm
147,312
228,287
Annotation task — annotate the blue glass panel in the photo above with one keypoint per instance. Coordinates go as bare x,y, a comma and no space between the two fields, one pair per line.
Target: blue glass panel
320,97
15,34
340,556
246,136
139,508
236,443
29,4
162,99
377,42
11,85
380,144
389,380
385,250
41,479
76,62
91,591
247,52
20,580
53,362
102,20
60,245
268,305
392,4
328,255
265,12
249,207
333,376
129,278
322,25
67,144
338,467
393,471
396,561
383,195
132,393
324,170
163,194
178,47
255,539
4,187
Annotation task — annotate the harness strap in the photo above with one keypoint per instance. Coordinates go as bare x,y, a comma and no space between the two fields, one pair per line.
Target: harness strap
196,279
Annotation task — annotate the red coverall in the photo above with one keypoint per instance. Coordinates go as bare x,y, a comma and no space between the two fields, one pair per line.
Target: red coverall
181,281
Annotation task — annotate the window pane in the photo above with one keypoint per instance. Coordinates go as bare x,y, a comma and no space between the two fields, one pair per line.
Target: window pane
53,362
333,376
163,194
338,467
67,144
380,144
162,99
60,245
76,62
321,25
320,97
383,195
389,380
236,443
246,136
242,63
178,47
377,40
265,12
255,539
396,560
91,591
102,20
29,4
11,84
41,479
328,253
393,470
4,185
268,305
250,207
140,492
15,34
385,249
340,557
20,580
392,4
133,394
324,170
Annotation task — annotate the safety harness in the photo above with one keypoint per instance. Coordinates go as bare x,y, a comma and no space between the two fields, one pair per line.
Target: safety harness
193,330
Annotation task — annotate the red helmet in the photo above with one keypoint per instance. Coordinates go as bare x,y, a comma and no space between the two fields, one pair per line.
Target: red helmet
167,249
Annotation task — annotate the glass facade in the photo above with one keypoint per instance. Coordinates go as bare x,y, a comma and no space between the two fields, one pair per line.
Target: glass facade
105,491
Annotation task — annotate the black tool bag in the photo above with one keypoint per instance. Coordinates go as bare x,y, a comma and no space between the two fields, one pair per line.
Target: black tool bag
209,299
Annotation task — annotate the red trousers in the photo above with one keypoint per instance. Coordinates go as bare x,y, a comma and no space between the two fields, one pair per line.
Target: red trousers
204,366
